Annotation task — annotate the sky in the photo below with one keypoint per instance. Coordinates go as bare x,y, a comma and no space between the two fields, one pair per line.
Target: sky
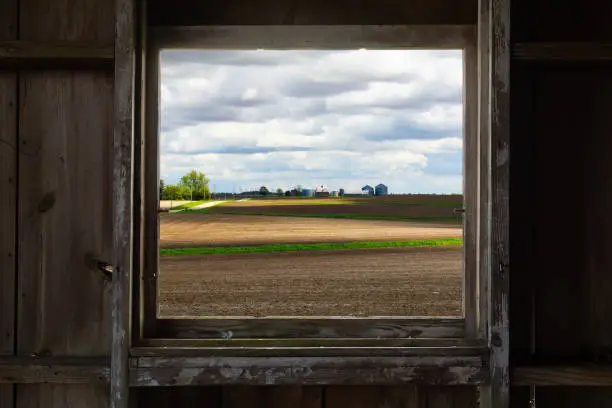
342,119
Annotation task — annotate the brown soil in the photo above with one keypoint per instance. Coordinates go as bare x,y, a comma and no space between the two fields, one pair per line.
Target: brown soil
398,207
379,282
194,230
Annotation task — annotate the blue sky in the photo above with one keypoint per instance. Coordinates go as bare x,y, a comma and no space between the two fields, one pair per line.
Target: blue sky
338,118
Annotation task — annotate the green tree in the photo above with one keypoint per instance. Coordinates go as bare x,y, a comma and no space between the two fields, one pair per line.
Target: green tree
279,192
173,192
263,190
197,183
162,186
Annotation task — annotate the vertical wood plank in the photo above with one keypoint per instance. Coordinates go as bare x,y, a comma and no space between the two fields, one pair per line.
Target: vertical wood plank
64,219
497,394
177,397
406,396
272,397
470,190
64,213
484,183
151,160
353,396
8,197
451,397
123,150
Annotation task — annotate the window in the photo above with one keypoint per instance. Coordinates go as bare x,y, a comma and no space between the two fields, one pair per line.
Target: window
239,320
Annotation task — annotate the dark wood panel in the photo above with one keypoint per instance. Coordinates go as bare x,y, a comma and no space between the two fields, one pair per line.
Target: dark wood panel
523,190
311,328
451,397
64,213
355,397
200,397
550,20
57,54
272,397
275,12
571,284
8,196
61,396
66,20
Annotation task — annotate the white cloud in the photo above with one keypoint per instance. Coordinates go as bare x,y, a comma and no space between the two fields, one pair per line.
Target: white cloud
343,118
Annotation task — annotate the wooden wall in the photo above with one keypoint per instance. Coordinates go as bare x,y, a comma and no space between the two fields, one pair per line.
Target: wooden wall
561,233
55,201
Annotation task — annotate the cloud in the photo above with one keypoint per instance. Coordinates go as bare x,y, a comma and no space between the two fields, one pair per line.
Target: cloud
345,118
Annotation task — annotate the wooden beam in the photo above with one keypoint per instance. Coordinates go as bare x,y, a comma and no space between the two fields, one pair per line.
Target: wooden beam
123,148
562,52
496,13
574,375
281,344
163,371
309,328
56,370
66,54
191,352
314,37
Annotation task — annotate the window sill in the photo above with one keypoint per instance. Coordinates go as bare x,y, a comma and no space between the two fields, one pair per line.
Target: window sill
174,366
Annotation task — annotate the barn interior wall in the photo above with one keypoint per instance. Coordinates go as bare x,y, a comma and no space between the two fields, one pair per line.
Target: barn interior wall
561,193
55,163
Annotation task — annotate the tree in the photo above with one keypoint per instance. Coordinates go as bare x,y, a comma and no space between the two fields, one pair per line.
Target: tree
263,190
197,183
162,186
279,192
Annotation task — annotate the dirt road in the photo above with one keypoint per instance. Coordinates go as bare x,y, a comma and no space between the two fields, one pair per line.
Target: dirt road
193,230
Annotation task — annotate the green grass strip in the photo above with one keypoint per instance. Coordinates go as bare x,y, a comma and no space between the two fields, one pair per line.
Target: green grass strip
189,205
382,217
310,247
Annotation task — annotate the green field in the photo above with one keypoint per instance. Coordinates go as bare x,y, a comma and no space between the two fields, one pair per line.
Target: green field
310,247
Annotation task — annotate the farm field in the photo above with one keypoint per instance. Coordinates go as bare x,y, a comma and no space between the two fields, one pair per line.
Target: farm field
386,281
385,208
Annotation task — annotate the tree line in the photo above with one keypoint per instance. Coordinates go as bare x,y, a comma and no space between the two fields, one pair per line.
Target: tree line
192,186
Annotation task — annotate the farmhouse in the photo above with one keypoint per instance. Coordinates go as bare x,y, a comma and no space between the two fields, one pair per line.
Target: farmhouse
367,190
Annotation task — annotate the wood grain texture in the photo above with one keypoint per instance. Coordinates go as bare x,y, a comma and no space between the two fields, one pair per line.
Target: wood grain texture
176,397
272,12
66,20
314,351
123,165
147,372
64,200
150,217
584,52
8,208
497,394
8,198
45,55
64,159
272,397
470,191
405,396
311,328
450,397
315,37
61,395
60,370
577,375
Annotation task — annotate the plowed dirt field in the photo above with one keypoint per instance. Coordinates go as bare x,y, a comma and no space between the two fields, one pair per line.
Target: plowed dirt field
370,282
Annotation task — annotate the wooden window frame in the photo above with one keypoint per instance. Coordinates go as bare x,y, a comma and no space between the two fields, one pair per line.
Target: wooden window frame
297,333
